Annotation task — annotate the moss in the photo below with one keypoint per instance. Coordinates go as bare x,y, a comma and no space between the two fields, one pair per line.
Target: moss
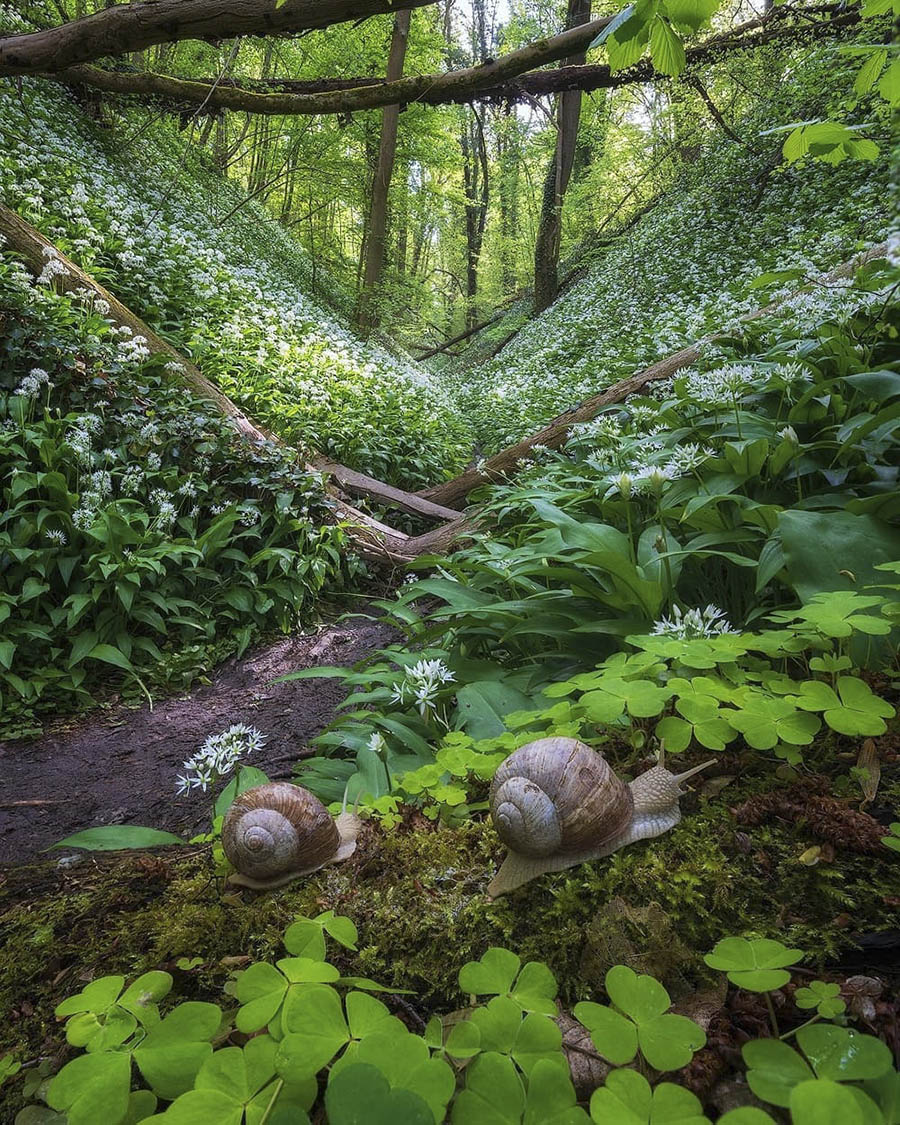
417,896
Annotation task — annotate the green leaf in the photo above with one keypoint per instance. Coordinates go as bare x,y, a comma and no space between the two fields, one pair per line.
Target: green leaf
614,1036
773,1070
639,997
92,1087
340,928
551,1097
494,1094
315,1031
483,705
626,1099
538,1038
666,48
247,778
97,996
843,1054
493,974
261,990
757,964
868,74
360,1095
175,1049
305,938
116,837
691,14
820,1102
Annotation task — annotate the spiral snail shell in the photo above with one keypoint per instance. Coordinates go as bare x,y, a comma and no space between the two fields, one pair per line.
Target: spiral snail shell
276,832
556,803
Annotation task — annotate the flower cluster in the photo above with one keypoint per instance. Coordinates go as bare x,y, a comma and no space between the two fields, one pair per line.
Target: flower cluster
708,622
218,756
421,684
31,386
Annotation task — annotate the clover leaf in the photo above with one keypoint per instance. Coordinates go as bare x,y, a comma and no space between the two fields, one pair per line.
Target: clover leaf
175,1049
93,1080
757,964
497,974
551,1097
860,711
305,937
102,1015
764,720
893,841
265,990
835,1053
494,1093
822,995
639,1020
361,1095
774,1069
502,1029
843,1054
820,1102
234,1081
626,1099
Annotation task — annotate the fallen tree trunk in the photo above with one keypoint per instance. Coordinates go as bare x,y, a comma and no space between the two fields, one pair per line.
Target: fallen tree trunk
555,434
511,78
125,28
372,538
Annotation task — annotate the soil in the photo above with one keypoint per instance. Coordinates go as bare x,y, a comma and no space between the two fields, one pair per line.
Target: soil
120,767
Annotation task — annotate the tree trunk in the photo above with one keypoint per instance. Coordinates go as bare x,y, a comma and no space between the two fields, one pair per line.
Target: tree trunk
475,178
549,236
367,314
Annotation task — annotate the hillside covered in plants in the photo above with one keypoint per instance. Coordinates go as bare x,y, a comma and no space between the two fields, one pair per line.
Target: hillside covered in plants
449,563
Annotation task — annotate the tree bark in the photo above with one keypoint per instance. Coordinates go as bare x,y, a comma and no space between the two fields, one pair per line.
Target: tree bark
476,184
374,243
549,235
132,27
508,79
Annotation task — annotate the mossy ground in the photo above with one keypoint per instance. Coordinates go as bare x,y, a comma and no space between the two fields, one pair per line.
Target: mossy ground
417,896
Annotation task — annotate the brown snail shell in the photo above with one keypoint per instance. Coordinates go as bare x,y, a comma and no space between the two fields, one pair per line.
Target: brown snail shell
276,832
558,796
556,803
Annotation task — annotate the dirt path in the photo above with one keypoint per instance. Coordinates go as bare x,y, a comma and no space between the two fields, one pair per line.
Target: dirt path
120,767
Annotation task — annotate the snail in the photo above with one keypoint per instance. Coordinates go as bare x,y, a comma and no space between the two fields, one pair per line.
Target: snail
556,803
278,831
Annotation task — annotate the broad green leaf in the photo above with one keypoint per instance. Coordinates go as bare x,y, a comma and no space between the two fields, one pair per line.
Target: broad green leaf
116,837
666,48
494,1094
843,1054
551,1097
773,1070
360,1095
614,1036
493,974
90,1082
756,964
821,1102
175,1049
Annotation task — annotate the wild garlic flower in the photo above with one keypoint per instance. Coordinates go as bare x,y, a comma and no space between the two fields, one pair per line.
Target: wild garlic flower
788,433
218,756
708,622
32,384
685,458
57,536
421,684
376,743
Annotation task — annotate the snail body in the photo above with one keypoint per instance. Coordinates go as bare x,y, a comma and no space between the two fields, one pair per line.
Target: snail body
556,803
277,832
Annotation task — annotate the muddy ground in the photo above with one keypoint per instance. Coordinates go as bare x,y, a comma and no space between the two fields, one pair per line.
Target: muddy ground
120,766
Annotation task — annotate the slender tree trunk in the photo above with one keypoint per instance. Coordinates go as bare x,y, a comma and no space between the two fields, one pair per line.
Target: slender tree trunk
367,316
475,179
549,236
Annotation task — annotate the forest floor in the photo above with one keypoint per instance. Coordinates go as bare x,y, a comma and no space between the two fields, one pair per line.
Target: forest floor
120,766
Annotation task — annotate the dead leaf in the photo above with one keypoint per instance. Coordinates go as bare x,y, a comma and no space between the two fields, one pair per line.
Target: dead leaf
869,763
